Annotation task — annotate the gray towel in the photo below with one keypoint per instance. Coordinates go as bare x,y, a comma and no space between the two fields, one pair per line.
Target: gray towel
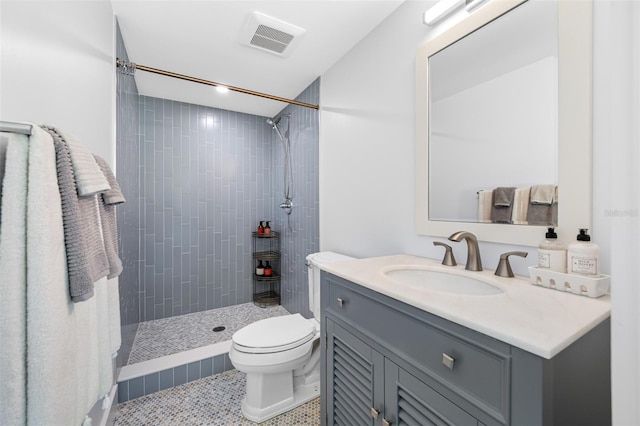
106,202
542,214
114,195
502,204
86,257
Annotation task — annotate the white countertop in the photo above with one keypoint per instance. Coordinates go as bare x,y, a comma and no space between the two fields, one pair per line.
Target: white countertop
533,318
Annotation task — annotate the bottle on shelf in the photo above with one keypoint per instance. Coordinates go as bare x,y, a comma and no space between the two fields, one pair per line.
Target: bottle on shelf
260,269
267,270
267,229
260,228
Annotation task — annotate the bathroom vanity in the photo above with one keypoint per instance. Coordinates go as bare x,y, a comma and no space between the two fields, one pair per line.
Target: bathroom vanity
400,354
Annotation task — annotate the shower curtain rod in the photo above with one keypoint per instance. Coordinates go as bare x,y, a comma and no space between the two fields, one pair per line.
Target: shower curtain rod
20,128
130,68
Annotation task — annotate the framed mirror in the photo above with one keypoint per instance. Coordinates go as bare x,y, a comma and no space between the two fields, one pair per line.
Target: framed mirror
503,99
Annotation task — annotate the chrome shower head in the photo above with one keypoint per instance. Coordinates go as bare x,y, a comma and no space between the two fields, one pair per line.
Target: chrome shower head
274,124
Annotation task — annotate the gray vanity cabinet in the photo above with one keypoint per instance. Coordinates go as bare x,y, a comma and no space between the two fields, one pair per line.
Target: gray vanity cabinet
386,362
363,382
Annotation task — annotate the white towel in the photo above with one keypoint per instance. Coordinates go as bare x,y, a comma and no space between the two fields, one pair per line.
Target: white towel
484,206
114,316
520,206
69,358
13,281
89,177
50,322
105,364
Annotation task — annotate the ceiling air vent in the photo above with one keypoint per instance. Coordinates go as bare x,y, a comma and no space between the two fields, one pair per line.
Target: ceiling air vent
270,34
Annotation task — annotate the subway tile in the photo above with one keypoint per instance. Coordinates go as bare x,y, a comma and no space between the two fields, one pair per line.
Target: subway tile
166,379
193,371
206,367
218,364
123,391
227,362
180,375
136,387
151,383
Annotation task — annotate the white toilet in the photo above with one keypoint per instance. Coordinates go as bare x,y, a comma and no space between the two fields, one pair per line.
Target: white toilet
281,355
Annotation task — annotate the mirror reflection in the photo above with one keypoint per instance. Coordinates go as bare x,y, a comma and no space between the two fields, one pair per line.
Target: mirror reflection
493,121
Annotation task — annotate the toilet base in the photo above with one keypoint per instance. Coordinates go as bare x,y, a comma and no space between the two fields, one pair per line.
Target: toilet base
301,393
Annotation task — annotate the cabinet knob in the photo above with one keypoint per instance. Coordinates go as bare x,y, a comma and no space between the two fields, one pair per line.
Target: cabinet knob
386,422
448,361
374,412
340,302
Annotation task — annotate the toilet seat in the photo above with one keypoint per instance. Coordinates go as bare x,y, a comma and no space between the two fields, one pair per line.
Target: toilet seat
275,334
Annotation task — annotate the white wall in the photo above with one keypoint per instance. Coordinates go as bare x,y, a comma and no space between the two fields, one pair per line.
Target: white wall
367,165
367,133
616,185
57,68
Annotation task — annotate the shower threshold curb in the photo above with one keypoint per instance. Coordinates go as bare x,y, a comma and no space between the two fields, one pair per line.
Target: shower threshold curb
147,377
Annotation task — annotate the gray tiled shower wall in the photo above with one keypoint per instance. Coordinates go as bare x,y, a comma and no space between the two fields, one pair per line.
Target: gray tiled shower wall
300,230
205,179
127,170
198,180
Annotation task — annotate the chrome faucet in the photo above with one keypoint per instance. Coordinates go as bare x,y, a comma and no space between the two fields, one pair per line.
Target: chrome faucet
474,263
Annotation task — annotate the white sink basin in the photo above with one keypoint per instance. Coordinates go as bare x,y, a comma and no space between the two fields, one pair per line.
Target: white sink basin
445,282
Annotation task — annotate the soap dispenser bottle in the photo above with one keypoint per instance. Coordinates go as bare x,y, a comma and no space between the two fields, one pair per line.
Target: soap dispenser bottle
267,228
260,228
260,269
267,270
583,256
552,254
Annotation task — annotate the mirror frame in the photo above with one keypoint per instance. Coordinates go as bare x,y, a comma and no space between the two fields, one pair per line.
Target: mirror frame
574,127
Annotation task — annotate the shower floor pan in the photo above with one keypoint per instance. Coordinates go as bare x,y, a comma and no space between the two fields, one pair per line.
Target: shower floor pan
167,336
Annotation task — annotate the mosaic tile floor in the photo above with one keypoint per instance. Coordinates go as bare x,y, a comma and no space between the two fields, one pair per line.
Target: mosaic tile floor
180,333
214,400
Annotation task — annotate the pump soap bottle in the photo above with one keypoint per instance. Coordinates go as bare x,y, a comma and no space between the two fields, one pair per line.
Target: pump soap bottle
552,254
583,256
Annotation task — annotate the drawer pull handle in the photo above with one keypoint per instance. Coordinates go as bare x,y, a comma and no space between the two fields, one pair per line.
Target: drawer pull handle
374,413
340,302
448,361
386,422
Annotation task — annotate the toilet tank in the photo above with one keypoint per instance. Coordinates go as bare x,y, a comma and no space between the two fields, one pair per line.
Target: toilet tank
314,260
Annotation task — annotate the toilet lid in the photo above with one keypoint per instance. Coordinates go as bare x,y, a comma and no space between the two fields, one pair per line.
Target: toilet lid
275,334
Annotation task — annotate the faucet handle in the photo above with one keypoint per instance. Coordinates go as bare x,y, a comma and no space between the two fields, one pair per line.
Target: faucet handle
448,260
504,267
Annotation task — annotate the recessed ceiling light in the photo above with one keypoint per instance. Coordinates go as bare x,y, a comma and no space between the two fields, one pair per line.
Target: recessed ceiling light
222,89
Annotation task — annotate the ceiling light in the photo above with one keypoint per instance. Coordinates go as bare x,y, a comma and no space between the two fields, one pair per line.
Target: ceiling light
440,10
222,89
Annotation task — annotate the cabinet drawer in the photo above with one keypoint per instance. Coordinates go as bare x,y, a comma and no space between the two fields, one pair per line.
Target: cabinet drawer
478,366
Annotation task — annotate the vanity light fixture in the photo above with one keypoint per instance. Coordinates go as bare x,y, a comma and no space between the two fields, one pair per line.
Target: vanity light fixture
473,4
440,10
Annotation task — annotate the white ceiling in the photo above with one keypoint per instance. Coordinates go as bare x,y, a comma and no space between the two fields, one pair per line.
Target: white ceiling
202,39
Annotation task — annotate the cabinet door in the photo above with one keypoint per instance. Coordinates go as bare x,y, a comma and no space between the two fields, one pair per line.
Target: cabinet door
354,379
410,402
